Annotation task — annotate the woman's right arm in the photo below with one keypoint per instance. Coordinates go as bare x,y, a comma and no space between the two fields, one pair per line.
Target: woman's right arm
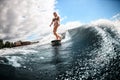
51,23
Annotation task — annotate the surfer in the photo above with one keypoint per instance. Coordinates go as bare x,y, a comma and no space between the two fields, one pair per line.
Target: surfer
56,22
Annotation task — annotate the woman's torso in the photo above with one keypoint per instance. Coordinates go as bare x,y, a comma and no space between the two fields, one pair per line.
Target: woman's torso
56,21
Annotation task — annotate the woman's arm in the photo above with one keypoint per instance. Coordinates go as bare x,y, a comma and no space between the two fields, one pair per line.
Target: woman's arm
51,23
58,20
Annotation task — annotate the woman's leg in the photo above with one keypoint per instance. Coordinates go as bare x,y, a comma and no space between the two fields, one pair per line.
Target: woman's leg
54,31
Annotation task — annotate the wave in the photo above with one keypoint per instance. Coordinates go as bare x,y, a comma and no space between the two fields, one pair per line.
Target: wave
89,49
99,45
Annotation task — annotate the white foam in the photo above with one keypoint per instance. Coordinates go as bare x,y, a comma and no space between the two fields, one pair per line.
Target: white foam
13,60
42,57
106,49
20,50
67,37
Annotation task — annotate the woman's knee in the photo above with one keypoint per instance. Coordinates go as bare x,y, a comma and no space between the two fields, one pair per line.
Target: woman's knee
54,32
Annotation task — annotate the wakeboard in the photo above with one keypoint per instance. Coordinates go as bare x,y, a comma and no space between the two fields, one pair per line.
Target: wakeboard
56,42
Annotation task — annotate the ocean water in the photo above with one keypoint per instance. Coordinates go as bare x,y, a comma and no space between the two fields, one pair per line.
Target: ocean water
88,52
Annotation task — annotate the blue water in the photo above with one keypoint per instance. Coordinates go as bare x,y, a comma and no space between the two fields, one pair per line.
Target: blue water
90,53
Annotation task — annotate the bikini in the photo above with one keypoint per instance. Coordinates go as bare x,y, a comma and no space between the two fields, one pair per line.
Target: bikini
55,20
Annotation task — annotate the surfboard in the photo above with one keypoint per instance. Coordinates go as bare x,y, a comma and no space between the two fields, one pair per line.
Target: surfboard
56,42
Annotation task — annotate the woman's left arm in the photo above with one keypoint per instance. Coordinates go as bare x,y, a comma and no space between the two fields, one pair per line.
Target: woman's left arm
58,20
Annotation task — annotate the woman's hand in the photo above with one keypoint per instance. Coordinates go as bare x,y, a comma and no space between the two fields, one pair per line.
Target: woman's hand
51,23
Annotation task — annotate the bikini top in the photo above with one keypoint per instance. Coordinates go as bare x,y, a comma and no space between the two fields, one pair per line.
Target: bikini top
56,18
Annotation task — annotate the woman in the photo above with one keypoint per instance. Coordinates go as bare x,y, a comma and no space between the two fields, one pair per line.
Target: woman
56,22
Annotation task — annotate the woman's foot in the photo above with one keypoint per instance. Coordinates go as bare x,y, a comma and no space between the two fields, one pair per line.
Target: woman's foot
59,38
